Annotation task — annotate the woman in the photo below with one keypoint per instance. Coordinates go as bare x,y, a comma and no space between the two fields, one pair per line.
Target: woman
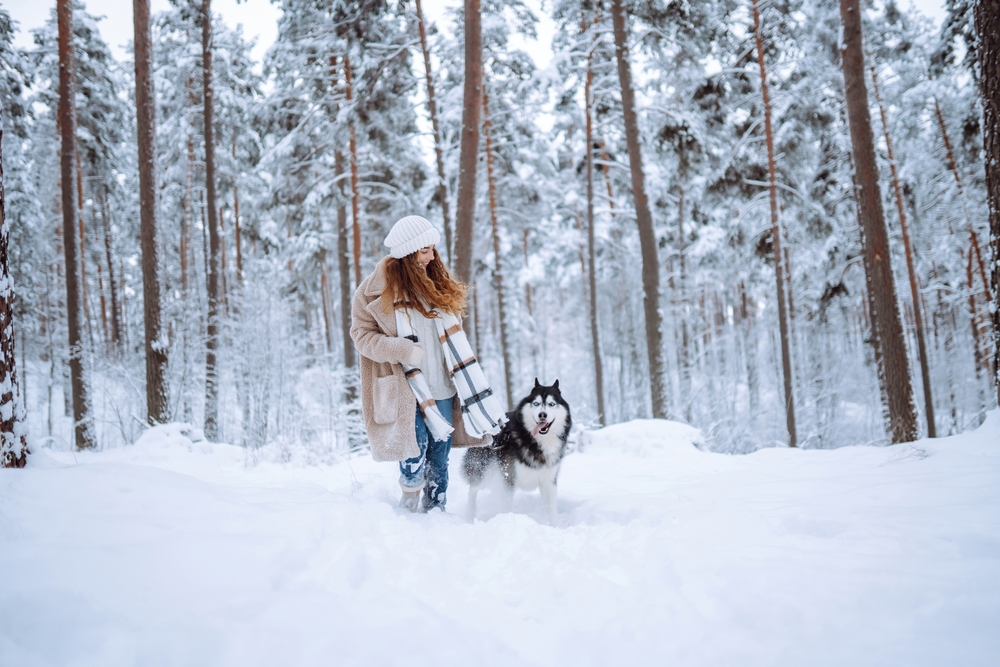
417,369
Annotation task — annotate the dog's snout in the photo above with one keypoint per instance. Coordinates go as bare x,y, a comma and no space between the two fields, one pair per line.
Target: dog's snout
542,416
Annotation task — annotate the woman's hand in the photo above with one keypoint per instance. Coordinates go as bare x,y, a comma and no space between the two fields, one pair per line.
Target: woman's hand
416,356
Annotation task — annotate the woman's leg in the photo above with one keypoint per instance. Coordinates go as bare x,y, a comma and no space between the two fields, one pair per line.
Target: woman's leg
412,471
436,474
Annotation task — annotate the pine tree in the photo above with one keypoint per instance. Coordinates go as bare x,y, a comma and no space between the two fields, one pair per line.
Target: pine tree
13,444
779,263
156,355
987,22
472,102
82,429
650,257
886,322
214,286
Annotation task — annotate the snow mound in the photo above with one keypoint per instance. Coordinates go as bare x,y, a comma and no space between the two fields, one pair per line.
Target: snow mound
645,438
175,446
176,434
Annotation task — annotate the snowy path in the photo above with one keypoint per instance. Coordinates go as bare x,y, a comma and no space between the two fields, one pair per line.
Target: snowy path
168,553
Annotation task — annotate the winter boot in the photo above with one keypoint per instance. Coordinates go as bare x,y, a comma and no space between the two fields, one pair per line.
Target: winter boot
410,500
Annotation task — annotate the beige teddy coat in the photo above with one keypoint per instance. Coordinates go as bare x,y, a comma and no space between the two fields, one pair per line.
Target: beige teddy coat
387,402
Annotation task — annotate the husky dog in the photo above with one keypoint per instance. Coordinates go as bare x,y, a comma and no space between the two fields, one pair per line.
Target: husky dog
527,451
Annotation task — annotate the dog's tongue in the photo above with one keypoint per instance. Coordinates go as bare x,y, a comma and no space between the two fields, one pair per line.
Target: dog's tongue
538,427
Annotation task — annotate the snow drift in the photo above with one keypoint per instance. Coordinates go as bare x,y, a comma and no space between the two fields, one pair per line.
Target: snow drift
175,551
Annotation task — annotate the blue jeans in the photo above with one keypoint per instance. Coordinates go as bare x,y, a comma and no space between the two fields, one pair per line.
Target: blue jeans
430,468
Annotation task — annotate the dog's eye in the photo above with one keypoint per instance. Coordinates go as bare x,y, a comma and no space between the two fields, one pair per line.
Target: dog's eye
536,404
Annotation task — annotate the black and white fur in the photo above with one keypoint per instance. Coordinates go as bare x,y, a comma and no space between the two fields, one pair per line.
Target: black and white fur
528,450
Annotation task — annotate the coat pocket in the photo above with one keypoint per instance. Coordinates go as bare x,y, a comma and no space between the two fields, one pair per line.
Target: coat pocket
386,399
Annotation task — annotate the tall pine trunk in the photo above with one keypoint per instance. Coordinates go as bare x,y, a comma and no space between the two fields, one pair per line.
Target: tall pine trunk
472,101
82,429
157,410
886,323
918,315
953,167
355,191
438,139
13,424
591,251
116,329
988,30
644,219
981,360
343,252
779,264
684,370
497,257
214,283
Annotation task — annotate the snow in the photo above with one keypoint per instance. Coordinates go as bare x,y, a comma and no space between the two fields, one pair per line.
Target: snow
176,551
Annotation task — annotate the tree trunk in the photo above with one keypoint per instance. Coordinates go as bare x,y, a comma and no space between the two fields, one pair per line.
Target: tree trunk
981,360
187,219
685,352
82,429
325,298
953,167
472,101
750,342
212,338
783,324
82,252
116,335
104,304
344,269
355,192
157,408
13,423
237,241
438,139
591,251
644,219
497,257
918,317
875,236
988,29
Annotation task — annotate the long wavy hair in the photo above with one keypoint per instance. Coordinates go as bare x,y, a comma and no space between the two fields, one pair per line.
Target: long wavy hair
410,286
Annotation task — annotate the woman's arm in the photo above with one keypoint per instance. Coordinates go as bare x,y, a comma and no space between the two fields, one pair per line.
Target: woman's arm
371,341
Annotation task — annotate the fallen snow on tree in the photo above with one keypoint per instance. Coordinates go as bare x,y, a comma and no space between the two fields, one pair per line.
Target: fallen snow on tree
176,551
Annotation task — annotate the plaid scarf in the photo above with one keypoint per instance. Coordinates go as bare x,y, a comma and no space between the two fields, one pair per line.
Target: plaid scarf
481,410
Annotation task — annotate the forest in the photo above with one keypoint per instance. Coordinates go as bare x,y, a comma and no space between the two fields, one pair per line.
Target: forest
767,219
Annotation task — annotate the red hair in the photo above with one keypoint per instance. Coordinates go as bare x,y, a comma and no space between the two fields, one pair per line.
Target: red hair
411,286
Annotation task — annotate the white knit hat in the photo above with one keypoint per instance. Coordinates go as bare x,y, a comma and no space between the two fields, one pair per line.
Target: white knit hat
409,235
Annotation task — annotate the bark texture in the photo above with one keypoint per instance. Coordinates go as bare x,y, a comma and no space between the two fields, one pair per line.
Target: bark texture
874,235
472,102
918,315
157,411
644,219
116,328
13,427
343,264
355,191
438,139
498,257
779,264
591,251
82,431
214,296
988,30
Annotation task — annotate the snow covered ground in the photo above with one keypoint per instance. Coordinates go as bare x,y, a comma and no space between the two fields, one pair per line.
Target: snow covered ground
173,552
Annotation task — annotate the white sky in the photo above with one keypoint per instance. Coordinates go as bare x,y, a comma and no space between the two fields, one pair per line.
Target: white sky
260,19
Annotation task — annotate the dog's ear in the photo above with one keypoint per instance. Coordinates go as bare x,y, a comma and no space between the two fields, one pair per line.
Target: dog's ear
537,383
555,385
